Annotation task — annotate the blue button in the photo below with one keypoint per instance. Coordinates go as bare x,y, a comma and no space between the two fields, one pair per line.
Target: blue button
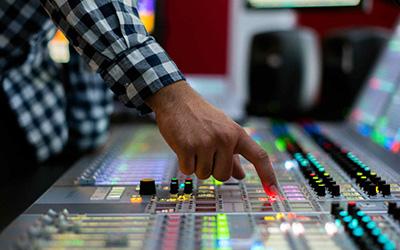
365,219
358,232
371,225
389,246
383,239
360,213
376,232
347,219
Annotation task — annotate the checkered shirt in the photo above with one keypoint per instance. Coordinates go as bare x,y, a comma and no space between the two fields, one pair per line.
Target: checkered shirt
111,39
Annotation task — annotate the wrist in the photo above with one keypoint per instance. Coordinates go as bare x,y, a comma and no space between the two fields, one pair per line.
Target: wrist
170,97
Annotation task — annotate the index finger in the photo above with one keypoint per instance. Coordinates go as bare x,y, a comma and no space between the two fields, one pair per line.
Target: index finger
255,154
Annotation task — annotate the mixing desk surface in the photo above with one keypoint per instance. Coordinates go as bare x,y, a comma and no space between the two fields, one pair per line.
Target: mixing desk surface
333,194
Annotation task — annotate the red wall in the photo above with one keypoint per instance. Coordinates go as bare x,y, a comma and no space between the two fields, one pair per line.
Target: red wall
196,34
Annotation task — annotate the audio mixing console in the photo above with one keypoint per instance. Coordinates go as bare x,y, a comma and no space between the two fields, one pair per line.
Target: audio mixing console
132,196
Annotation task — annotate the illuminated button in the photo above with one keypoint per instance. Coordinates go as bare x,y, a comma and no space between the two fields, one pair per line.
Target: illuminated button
347,219
147,187
358,232
365,220
360,214
291,216
375,233
389,246
280,216
343,214
269,218
383,239
136,199
370,226
353,224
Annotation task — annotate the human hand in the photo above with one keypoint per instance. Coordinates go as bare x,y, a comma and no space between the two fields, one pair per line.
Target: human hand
206,141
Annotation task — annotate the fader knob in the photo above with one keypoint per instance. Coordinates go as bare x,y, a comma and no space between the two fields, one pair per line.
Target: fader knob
392,207
396,213
335,209
321,190
352,209
335,190
372,190
366,185
174,186
385,189
147,187
381,183
188,186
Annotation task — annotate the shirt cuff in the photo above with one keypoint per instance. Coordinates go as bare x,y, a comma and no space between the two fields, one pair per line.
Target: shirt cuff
138,73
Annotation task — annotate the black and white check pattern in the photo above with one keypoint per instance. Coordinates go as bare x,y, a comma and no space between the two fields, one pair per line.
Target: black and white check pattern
110,38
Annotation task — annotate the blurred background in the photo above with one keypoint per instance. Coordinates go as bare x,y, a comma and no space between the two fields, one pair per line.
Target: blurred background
287,59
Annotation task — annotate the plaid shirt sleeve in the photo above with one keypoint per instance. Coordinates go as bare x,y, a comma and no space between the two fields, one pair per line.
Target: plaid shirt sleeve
113,41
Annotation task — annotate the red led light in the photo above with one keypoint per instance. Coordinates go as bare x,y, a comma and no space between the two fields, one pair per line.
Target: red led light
327,145
273,198
302,218
352,203
312,174
395,147
291,216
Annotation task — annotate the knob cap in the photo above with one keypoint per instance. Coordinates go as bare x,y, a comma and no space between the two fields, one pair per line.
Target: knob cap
385,189
392,207
396,213
366,185
188,186
335,190
372,189
174,186
352,209
335,209
321,190
147,187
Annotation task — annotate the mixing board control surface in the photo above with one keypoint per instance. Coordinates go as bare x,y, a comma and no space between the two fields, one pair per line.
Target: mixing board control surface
133,196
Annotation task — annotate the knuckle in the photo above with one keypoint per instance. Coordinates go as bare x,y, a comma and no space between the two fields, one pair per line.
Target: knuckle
225,138
262,155
206,143
223,177
186,171
203,173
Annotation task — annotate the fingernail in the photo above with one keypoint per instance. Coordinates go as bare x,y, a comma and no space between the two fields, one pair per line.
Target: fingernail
273,190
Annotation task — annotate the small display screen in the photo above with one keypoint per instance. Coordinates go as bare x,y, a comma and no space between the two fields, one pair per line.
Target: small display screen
266,4
377,111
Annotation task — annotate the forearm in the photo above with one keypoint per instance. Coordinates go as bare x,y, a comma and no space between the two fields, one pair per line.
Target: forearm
131,62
